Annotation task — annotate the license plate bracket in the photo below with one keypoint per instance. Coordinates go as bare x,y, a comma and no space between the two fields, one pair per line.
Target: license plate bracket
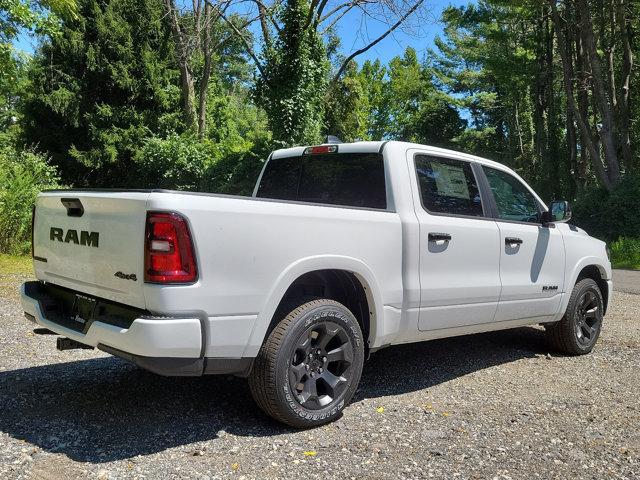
82,310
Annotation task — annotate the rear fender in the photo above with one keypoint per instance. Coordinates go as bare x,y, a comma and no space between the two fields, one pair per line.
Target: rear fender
310,264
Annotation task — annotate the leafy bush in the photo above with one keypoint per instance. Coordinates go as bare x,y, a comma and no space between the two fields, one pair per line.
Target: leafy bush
610,215
176,162
625,252
23,174
182,162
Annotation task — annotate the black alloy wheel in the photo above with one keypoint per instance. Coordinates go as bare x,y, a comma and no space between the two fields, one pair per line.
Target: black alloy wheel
310,365
320,367
588,318
578,330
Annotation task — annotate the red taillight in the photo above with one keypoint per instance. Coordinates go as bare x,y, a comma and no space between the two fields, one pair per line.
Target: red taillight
168,253
33,224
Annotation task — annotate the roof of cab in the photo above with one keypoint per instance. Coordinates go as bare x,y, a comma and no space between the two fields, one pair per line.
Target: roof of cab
374,147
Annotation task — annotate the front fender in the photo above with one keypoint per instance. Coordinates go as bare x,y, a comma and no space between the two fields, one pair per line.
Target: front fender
307,265
572,276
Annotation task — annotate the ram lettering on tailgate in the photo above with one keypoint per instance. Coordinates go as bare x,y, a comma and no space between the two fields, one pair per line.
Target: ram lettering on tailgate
89,239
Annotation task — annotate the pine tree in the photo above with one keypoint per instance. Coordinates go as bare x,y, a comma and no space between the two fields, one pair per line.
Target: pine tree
99,88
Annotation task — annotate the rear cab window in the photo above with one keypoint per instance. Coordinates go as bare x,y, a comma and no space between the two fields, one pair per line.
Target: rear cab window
448,187
343,179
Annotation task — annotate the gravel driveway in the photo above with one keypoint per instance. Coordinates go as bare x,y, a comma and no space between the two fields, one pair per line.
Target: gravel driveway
627,281
493,405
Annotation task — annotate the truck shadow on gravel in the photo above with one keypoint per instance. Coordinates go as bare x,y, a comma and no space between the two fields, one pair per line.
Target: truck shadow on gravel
103,409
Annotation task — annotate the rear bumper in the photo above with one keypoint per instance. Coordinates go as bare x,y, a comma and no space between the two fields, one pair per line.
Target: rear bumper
168,346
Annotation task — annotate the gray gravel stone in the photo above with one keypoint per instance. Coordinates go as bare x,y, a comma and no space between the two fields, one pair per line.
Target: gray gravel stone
497,405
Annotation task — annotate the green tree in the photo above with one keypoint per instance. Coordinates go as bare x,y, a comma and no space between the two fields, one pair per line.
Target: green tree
28,16
294,78
418,111
347,107
23,17
99,88
497,60
372,77
23,174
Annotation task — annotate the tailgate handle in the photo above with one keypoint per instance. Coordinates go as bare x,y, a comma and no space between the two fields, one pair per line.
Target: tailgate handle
74,206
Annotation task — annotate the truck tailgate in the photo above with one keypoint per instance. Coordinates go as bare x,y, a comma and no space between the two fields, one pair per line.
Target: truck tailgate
92,242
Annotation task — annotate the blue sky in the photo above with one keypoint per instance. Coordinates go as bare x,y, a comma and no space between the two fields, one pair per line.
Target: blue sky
418,32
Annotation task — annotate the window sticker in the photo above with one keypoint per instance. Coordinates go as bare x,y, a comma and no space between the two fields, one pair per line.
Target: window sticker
450,180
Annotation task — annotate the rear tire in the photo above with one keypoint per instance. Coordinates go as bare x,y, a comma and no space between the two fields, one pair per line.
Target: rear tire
310,365
579,329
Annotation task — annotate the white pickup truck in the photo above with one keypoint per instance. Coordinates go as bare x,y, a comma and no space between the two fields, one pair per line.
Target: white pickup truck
343,249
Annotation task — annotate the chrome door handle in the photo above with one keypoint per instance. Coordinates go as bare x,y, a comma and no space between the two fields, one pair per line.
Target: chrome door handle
436,236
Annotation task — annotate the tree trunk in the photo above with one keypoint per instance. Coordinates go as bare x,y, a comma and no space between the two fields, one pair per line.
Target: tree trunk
206,73
576,177
519,130
568,86
623,103
187,91
608,45
607,128
540,105
582,94
264,25
553,149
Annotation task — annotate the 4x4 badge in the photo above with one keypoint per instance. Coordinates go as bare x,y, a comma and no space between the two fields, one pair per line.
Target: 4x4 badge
126,276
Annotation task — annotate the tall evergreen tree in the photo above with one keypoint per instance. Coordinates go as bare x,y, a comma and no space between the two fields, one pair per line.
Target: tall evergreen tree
100,87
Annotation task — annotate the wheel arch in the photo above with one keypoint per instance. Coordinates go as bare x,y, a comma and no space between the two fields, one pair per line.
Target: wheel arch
597,274
589,267
339,276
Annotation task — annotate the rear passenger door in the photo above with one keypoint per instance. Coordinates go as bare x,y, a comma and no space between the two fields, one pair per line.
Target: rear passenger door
459,244
532,258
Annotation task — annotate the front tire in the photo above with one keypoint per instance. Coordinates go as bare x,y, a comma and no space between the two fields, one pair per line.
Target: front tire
310,365
579,329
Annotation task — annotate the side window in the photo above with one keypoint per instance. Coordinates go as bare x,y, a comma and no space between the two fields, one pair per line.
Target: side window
513,199
448,186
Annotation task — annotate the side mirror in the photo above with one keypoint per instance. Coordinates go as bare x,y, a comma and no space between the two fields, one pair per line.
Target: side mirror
559,212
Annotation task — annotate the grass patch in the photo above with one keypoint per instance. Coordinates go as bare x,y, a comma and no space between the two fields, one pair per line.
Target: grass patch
15,264
625,265
625,253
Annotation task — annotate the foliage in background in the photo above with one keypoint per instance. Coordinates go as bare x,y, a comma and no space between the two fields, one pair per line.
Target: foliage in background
493,60
416,110
20,16
294,79
400,102
348,107
23,174
610,215
546,86
104,95
625,253
99,88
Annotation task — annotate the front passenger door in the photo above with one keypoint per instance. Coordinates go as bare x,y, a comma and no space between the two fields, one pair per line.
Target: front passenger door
532,255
